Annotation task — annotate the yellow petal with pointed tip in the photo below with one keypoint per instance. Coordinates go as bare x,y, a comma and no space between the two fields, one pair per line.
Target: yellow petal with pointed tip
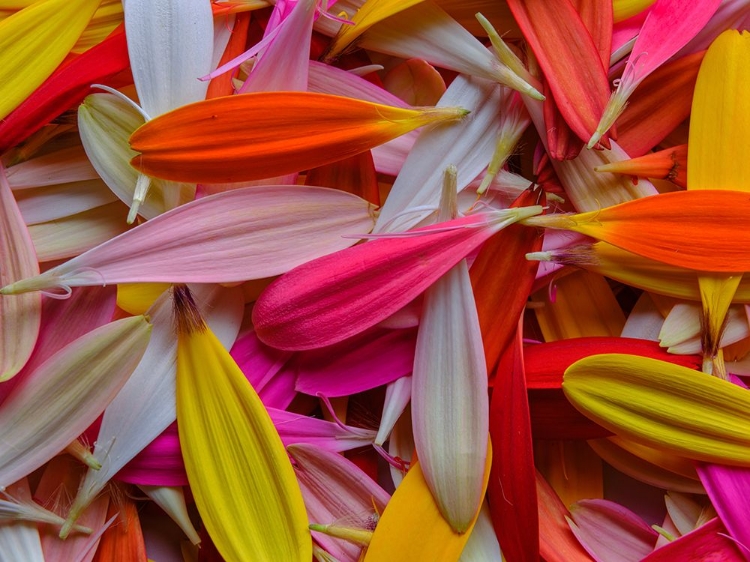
663,406
368,15
412,528
34,41
239,473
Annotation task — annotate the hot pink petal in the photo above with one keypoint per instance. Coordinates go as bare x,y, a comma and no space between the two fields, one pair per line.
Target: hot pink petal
334,437
708,543
266,369
329,299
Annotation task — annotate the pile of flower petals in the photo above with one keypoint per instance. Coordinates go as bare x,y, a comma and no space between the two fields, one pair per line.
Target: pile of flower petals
352,281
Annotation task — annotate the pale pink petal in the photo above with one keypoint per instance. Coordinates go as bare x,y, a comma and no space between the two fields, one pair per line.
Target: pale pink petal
361,363
282,66
230,245
55,202
20,317
335,488
20,540
56,488
611,532
65,320
59,167
450,405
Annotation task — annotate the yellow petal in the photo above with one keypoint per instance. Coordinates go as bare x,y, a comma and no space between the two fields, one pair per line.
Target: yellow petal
663,405
412,528
368,15
34,41
242,480
137,298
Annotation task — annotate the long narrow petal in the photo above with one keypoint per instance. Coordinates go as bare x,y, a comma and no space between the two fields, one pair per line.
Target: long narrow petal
312,306
482,544
239,473
512,489
441,41
50,408
692,229
21,540
34,41
296,428
368,15
470,142
663,405
172,500
412,527
283,65
357,364
670,24
670,163
569,58
170,43
450,407
123,541
20,318
228,247
212,141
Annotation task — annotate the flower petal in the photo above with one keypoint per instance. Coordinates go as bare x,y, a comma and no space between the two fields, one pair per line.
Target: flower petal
212,141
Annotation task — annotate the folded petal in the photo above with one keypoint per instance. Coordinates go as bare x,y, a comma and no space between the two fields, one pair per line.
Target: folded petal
212,141
663,405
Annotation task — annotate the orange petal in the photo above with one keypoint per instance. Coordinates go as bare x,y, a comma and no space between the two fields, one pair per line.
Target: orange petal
702,230
267,134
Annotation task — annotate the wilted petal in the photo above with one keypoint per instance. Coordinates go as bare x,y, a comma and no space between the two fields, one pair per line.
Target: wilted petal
20,317
239,473
228,247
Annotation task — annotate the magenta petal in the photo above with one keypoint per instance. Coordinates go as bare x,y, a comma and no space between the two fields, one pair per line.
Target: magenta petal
159,464
368,360
728,487
335,437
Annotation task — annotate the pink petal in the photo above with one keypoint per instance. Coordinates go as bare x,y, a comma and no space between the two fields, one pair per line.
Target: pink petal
264,368
611,532
230,246
329,299
20,317
334,437
708,543
158,464
365,361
